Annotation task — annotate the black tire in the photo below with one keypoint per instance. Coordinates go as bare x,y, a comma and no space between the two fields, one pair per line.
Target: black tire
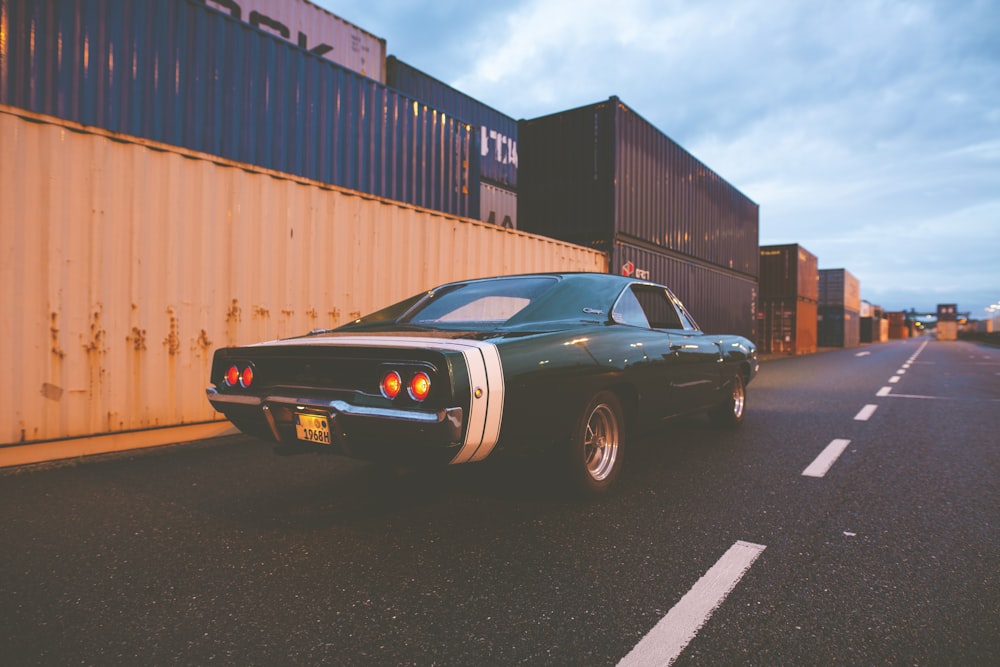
596,445
734,407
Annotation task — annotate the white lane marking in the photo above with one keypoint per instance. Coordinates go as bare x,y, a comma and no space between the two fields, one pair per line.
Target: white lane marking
901,371
862,354
884,391
894,379
676,630
866,413
826,459
966,399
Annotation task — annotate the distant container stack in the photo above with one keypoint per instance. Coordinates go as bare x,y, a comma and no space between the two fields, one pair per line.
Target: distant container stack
900,326
947,321
186,74
497,137
874,324
603,177
839,320
789,295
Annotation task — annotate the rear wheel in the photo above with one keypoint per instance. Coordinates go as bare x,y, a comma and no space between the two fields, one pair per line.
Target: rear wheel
596,446
733,409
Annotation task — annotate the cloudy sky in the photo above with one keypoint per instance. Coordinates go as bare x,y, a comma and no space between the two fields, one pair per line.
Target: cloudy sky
868,131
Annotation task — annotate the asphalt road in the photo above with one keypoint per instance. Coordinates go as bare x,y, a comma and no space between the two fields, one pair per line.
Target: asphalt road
219,552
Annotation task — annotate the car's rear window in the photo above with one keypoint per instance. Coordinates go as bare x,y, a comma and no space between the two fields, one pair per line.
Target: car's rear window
490,302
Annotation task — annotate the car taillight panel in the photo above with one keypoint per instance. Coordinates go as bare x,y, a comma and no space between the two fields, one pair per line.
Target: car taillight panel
239,374
392,383
420,386
246,378
401,382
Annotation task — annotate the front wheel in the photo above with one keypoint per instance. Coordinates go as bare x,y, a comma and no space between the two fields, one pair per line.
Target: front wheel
596,445
733,409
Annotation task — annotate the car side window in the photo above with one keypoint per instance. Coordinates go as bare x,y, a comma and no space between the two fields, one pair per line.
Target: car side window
628,311
658,307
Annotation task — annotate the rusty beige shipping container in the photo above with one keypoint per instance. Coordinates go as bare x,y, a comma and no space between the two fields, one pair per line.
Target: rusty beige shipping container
126,263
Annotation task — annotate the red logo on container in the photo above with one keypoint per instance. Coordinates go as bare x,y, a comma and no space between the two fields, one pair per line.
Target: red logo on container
628,269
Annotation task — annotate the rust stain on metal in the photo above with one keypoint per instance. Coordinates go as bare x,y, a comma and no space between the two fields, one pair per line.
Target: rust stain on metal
312,314
173,339
261,311
137,338
203,341
234,312
288,313
97,334
335,314
54,330
353,315
51,391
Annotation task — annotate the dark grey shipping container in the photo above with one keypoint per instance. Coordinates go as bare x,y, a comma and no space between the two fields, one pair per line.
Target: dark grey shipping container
720,301
602,173
788,272
838,327
838,288
497,131
178,72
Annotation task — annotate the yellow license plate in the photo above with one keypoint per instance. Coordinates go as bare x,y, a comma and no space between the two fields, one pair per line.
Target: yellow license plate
313,428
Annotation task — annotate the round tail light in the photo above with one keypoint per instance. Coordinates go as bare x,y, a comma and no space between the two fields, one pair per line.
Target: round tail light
246,379
420,386
232,376
391,384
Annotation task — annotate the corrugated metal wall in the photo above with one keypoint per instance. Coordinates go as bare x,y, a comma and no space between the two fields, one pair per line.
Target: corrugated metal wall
838,287
498,206
178,72
312,28
125,264
498,131
600,173
788,272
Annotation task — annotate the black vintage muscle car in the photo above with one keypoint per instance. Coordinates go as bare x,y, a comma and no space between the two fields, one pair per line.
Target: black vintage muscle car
567,366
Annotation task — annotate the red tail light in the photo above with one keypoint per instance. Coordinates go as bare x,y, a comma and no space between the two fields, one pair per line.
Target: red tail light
420,386
246,379
391,384
232,376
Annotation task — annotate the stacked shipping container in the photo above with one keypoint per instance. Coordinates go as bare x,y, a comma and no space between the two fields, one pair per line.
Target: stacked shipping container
839,309
789,294
874,325
314,29
602,176
497,137
181,73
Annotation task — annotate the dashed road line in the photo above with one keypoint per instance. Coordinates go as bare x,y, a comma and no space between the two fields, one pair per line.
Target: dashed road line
866,413
826,459
676,630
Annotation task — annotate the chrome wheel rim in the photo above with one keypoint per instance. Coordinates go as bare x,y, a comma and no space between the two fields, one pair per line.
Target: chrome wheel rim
600,442
739,398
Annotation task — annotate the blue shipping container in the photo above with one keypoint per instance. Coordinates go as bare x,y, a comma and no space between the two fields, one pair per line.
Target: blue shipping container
498,132
178,72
